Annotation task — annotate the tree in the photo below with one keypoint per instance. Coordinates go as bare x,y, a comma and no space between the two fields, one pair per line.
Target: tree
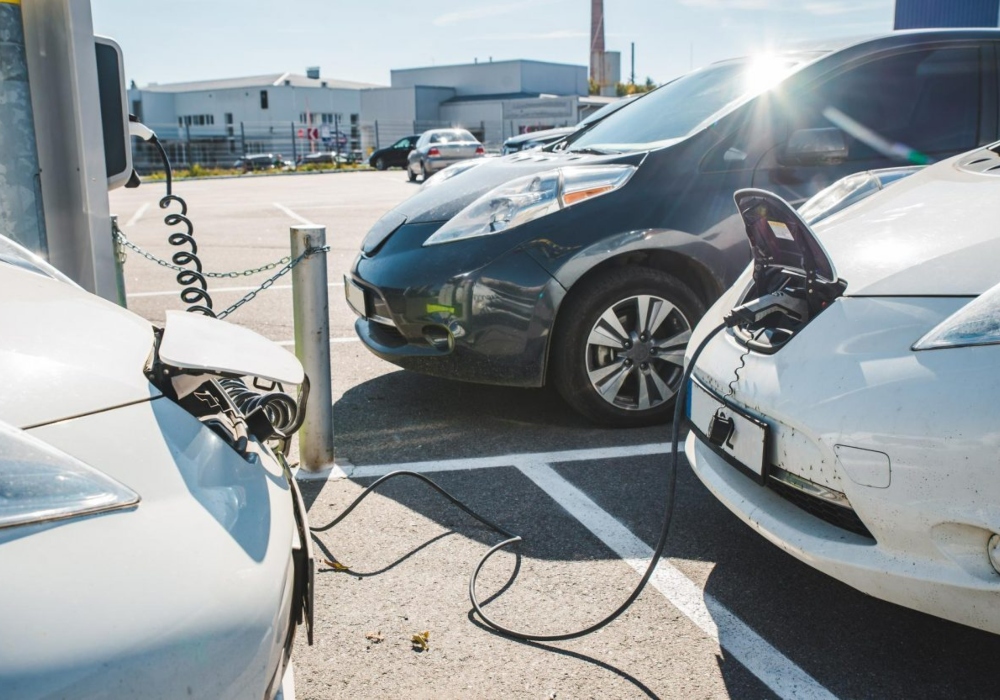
624,89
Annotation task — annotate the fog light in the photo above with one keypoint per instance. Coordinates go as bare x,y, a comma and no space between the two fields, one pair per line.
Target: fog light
993,550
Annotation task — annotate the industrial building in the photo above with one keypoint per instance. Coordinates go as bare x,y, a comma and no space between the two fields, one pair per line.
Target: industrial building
215,122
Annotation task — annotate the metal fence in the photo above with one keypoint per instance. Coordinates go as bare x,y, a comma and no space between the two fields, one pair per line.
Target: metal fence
228,145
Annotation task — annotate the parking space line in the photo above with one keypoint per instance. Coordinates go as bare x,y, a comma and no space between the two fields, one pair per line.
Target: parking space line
759,657
213,290
292,214
511,460
138,215
290,343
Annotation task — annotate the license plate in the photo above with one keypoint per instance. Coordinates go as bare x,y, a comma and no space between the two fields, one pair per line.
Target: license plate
355,296
739,437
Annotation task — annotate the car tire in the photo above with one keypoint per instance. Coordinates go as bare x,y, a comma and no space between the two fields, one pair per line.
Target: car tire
380,163
618,346
410,174
423,171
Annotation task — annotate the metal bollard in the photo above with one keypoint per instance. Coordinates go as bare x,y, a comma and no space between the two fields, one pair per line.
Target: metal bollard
311,312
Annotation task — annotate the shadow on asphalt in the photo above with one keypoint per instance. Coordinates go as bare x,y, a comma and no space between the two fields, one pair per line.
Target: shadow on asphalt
407,417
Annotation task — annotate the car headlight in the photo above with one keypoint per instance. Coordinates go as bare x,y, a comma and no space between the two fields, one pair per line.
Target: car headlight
976,323
39,483
528,198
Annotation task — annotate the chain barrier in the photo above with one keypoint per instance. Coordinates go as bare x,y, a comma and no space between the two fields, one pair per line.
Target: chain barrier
271,280
120,238
287,261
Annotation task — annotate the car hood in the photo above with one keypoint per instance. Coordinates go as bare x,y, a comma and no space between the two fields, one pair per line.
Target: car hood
440,202
65,352
934,233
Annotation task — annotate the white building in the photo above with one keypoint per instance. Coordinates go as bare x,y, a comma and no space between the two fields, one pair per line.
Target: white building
215,122
217,119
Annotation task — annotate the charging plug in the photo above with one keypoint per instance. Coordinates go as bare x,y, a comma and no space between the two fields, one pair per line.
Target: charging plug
752,314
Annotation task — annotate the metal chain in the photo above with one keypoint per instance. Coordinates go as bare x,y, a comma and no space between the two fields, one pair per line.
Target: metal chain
120,237
271,280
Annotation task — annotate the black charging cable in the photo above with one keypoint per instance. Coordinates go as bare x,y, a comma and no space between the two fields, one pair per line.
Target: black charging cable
679,406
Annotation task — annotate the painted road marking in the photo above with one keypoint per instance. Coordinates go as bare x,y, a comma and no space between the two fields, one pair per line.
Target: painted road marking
134,219
292,214
289,343
762,659
213,290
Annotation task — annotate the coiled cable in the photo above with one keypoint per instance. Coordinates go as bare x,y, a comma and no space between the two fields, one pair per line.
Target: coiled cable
284,413
194,286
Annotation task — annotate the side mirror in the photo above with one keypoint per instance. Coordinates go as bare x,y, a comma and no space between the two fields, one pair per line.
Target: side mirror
815,147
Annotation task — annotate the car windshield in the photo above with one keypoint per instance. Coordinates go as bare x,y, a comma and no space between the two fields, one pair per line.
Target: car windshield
679,107
452,136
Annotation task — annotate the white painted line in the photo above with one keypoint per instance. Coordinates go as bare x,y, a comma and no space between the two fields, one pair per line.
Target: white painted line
290,343
292,214
213,290
512,460
763,660
138,215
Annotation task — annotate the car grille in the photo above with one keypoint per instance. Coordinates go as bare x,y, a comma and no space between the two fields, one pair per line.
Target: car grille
838,516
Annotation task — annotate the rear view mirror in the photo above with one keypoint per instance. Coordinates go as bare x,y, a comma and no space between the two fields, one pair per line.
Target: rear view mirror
815,147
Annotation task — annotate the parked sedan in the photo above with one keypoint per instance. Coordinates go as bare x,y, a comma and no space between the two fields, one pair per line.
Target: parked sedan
586,265
395,155
853,389
152,543
438,148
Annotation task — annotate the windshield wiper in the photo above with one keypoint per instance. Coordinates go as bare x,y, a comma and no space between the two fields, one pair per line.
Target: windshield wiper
592,151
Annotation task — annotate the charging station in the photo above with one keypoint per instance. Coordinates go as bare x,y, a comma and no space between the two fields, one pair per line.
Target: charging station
73,79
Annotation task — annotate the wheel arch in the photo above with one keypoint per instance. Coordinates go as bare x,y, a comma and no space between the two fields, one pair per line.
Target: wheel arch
693,273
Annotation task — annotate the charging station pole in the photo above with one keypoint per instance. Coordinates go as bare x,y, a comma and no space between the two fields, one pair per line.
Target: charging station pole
62,70
23,219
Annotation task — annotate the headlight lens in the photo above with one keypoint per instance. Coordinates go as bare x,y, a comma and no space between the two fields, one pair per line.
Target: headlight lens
39,483
976,323
528,198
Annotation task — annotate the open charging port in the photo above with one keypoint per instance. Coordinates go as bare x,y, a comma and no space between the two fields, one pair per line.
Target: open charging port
793,276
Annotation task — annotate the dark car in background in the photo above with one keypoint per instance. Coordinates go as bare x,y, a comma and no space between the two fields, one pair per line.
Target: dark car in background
587,264
544,137
262,161
438,148
393,156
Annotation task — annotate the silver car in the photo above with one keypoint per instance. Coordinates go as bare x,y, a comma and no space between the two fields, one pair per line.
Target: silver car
438,148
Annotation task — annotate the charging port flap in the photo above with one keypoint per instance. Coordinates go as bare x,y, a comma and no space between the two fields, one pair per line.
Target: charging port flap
794,277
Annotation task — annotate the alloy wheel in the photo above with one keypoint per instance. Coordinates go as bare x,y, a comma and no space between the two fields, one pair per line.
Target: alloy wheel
635,352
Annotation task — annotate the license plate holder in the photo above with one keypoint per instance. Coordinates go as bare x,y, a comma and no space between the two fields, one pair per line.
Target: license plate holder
744,441
355,296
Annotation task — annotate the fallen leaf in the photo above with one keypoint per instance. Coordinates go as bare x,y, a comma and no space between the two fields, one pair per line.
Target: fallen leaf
421,641
336,565
375,637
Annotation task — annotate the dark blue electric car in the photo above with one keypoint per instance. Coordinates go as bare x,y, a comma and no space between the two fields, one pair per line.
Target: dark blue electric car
587,264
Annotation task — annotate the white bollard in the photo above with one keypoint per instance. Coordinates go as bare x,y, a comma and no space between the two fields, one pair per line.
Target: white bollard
311,312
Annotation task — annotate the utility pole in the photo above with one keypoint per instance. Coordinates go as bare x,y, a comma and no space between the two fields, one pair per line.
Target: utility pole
632,79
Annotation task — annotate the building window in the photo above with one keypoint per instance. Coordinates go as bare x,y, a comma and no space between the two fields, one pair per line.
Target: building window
229,117
263,99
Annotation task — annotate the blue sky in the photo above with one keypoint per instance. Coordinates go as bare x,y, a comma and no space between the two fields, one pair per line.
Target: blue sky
362,40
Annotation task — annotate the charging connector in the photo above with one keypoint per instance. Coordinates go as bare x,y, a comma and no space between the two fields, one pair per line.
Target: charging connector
753,315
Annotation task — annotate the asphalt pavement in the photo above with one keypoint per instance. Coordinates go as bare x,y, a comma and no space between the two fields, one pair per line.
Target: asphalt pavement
727,615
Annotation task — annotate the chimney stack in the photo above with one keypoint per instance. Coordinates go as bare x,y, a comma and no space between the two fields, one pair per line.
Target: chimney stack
597,42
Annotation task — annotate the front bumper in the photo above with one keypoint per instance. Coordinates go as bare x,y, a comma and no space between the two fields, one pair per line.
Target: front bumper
445,311
191,594
850,380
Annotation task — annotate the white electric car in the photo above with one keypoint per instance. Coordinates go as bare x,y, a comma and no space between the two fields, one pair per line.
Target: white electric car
847,410
152,545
